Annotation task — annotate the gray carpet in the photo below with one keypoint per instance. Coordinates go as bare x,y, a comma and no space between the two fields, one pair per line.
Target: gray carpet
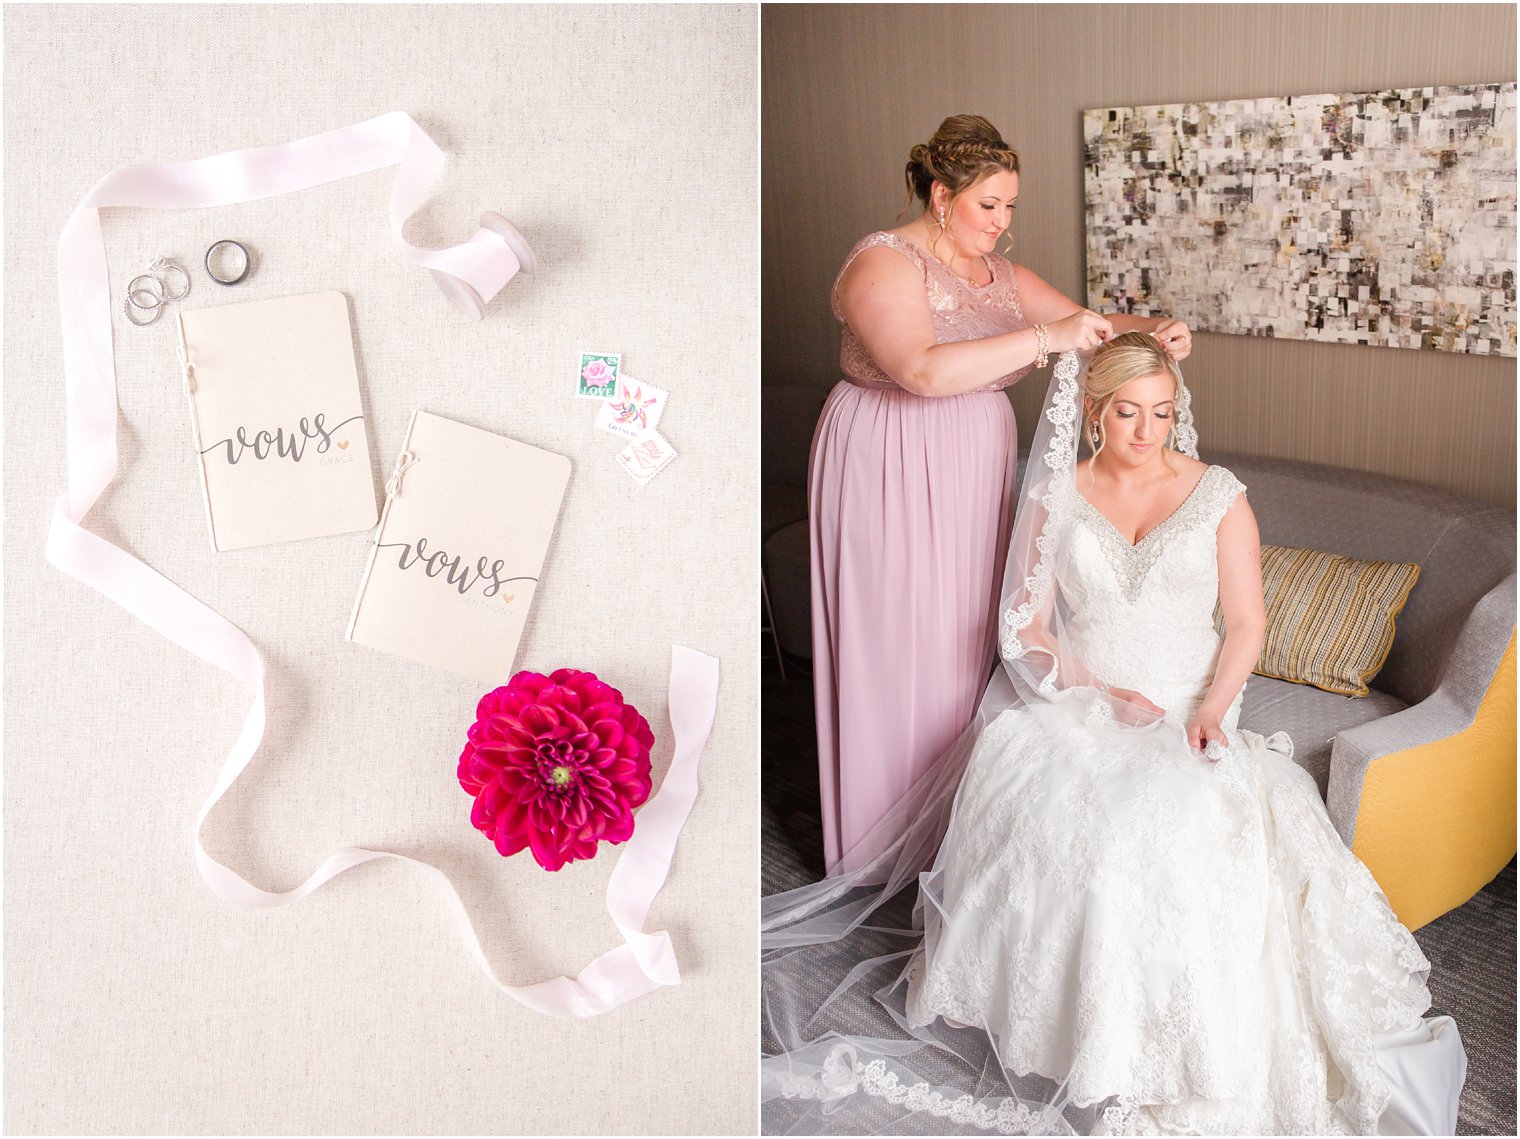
1471,949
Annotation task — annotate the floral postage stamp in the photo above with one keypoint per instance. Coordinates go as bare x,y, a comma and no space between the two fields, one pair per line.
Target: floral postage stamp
634,411
598,375
646,457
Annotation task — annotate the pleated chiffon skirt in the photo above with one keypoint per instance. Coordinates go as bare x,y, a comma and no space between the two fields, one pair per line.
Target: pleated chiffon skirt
910,501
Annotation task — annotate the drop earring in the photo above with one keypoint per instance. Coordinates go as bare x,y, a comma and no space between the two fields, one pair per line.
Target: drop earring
1096,438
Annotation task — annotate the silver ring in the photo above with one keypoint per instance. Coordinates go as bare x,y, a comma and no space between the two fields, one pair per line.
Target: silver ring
129,308
243,272
162,265
154,290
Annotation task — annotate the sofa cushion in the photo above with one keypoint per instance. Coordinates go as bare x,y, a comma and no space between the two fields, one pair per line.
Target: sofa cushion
1330,618
1311,718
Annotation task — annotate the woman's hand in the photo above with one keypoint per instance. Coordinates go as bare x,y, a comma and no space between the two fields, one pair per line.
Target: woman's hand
1079,331
1133,709
1175,338
1202,730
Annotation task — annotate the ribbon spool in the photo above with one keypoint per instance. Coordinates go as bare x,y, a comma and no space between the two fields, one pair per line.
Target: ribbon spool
483,265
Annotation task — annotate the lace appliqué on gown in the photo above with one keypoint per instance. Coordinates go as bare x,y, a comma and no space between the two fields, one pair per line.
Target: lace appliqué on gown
843,1073
1214,494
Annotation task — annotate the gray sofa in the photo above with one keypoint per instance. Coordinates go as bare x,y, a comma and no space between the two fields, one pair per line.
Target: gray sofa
1466,553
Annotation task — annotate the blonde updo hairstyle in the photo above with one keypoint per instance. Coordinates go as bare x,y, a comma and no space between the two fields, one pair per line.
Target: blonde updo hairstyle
965,149
1127,357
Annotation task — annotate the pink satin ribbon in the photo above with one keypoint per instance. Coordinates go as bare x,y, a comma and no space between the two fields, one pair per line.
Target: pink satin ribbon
645,961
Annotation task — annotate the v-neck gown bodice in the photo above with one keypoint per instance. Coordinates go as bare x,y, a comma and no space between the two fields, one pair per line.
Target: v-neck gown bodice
1142,614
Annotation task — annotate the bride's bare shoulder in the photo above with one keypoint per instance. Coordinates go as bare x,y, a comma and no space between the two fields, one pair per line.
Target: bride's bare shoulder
1186,467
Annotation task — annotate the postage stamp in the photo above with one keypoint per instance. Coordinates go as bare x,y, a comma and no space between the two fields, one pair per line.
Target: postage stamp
646,457
634,411
598,375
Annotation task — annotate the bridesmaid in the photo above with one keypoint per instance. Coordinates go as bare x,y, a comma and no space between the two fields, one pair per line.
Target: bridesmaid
912,470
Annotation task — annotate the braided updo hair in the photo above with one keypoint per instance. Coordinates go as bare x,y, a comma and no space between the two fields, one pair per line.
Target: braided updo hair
965,149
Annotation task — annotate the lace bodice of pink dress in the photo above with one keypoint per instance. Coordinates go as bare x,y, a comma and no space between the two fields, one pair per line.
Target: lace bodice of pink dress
961,311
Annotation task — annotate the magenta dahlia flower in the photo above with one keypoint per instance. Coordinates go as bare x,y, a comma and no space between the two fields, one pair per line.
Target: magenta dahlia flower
556,764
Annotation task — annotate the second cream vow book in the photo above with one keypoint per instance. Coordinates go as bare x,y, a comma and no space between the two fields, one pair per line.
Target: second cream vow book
276,415
461,541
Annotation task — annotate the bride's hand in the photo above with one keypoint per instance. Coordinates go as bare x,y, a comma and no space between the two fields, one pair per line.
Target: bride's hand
1175,338
1079,331
1202,731
1133,709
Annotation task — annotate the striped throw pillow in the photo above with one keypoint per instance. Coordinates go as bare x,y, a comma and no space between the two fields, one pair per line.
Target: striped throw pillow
1330,618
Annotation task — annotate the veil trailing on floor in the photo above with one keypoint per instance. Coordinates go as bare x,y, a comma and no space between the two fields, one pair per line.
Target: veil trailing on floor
839,1062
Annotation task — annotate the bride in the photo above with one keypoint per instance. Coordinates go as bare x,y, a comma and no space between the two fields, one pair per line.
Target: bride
1140,918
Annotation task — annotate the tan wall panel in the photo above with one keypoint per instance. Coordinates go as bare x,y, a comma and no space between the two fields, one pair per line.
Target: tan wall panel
848,89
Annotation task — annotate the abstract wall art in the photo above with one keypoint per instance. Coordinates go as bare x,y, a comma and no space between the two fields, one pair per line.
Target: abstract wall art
1382,219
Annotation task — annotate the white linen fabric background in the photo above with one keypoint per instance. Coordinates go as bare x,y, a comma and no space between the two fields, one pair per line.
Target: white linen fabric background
622,140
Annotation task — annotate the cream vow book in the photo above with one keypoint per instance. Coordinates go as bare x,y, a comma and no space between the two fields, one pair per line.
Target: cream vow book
467,521
277,422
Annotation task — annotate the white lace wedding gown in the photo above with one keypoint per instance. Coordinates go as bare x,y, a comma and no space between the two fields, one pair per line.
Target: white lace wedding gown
1190,937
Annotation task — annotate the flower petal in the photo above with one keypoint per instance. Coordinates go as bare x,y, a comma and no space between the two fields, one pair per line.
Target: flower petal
465,771
620,828
509,840
545,851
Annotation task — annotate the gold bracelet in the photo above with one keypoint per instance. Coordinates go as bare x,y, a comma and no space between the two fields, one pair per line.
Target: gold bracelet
1042,346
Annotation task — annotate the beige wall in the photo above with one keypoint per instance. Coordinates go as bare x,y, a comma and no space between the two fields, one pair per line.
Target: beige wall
848,89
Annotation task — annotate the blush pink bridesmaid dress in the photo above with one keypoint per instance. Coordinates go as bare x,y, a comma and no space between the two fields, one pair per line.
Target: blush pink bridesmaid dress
910,500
